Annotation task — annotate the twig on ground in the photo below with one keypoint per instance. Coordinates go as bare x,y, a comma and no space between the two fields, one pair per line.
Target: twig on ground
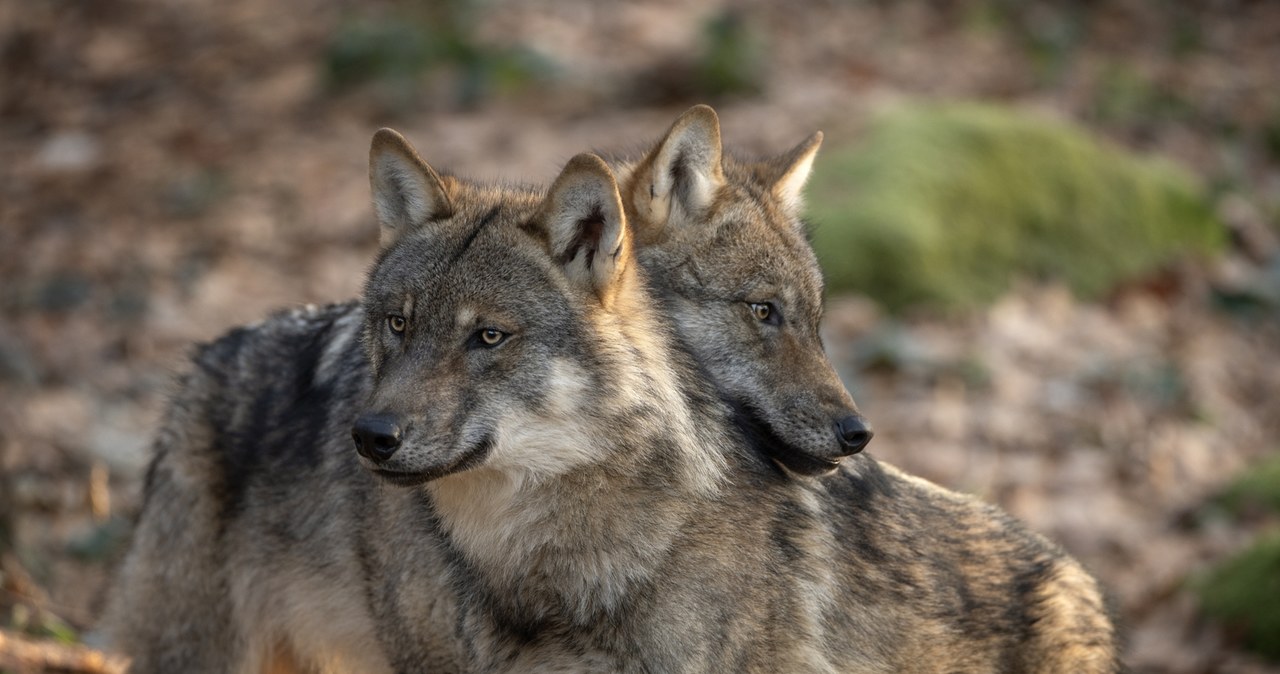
23,655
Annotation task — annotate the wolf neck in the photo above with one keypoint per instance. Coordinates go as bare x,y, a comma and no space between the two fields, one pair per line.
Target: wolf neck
574,545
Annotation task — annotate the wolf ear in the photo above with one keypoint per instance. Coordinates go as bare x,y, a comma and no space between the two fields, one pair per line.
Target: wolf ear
679,178
407,192
583,224
791,170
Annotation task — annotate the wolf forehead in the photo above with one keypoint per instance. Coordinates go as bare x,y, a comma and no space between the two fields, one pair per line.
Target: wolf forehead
484,257
742,261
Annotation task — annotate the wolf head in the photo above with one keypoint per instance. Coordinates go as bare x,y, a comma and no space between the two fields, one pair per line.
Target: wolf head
723,243
506,332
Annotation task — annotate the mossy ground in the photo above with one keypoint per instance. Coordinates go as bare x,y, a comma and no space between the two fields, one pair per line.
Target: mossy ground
947,205
1243,592
1257,489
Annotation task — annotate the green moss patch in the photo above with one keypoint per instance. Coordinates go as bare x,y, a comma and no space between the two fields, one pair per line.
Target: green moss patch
948,204
1256,490
1244,593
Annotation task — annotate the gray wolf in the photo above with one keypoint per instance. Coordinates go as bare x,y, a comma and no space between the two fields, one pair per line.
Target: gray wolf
548,482
729,258
237,409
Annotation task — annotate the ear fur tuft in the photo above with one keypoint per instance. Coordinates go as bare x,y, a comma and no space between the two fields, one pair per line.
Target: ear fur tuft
791,172
407,192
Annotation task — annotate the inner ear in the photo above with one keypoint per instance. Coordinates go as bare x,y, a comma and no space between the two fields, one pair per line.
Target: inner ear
589,232
680,177
582,223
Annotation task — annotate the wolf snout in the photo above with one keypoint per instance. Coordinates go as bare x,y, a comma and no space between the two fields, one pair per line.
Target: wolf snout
377,436
854,433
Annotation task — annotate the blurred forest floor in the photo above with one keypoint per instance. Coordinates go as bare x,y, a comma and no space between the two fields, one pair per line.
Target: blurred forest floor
174,169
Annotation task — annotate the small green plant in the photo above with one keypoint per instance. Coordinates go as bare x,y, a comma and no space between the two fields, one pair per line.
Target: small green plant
415,40
365,49
1271,134
37,622
1048,35
947,204
1127,98
1244,593
1256,490
731,61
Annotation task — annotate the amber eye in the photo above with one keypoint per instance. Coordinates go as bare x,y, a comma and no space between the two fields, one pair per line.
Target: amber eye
397,323
492,337
766,312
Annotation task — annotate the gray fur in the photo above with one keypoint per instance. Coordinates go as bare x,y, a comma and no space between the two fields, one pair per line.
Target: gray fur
733,240
623,515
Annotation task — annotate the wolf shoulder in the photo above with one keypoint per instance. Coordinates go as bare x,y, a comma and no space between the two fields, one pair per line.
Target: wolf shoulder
968,582
929,580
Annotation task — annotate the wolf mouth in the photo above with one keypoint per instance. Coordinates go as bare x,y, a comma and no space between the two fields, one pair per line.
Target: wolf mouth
465,461
765,441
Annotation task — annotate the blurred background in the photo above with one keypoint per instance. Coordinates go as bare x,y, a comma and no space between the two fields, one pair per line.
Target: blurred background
1051,232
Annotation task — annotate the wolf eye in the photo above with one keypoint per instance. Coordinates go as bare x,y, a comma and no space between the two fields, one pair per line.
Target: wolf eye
397,323
489,337
765,312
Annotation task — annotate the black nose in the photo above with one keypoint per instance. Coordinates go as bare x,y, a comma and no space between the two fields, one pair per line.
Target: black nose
854,433
377,436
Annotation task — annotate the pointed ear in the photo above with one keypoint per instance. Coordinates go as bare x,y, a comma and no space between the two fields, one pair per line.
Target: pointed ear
407,192
582,222
790,172
679,178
